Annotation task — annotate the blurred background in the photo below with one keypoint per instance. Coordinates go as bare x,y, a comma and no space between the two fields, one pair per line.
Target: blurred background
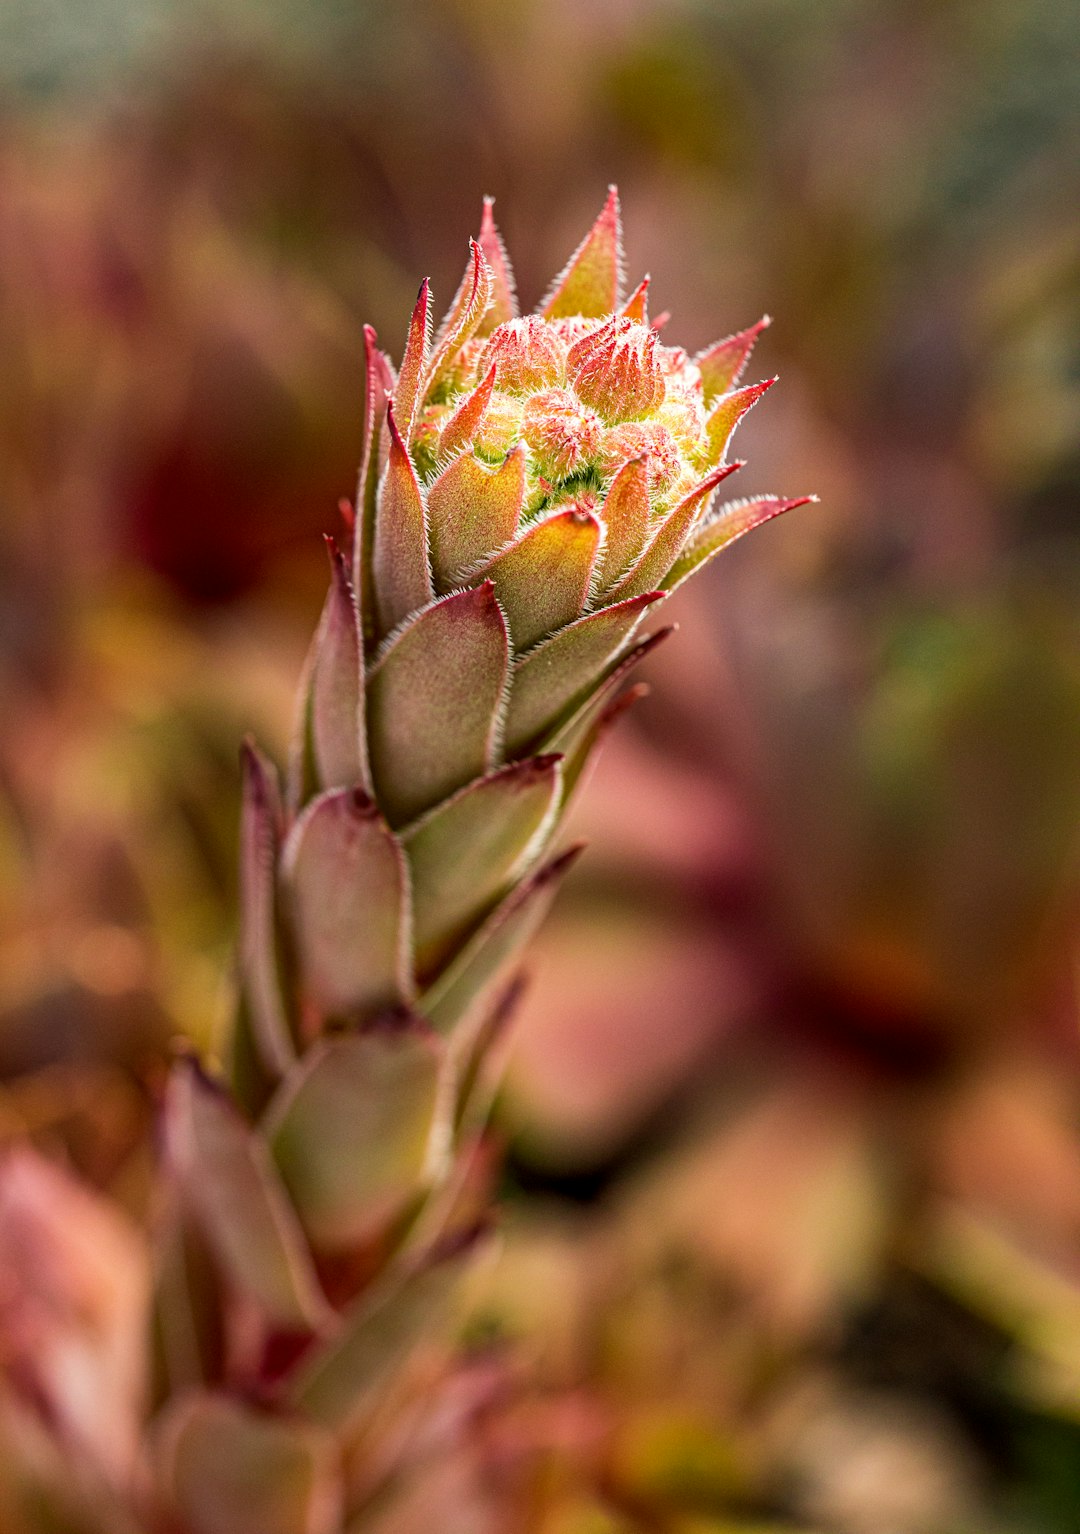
791,1215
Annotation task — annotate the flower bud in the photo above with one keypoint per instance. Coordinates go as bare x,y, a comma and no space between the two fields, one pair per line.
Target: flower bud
527,354
615,369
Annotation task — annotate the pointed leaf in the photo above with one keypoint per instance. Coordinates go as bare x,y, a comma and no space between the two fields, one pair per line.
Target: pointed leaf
338,735
400,567
406,395
467,986
729,523
542,579
434,702
636,306
462,319
589,283
503,304
626,513
721,365
551,680
379,386
346,883
189,1306
347,1377
260,830
467,852
227,1179
576,738
357,1131
726,415
667,542
473,510
230,1469
461,428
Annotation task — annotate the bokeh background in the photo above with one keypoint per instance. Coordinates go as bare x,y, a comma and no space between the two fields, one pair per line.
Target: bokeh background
791,1214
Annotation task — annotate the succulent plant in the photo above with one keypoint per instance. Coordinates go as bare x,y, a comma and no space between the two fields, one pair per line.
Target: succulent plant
531,487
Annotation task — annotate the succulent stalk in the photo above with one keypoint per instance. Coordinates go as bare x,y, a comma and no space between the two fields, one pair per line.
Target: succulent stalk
531,488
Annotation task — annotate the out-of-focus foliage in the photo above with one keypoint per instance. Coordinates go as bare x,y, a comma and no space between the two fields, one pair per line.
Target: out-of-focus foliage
794,1169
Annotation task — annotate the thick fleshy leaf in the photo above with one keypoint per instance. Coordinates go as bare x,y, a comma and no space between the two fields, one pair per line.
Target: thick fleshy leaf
553,679
473,510
575,738
406,394
358,1130
466,853
230,1469
667,542
338,735
347,889
188,1320
542,579
626,518
347,1377
461,428
462,319
379,387
729,523
726,415
503,304
260,981
401,569
590,281
229,1182
434,702
721,365
636,306
467,987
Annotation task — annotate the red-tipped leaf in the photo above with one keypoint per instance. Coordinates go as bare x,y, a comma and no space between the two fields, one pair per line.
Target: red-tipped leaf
590,281
401,569
722,364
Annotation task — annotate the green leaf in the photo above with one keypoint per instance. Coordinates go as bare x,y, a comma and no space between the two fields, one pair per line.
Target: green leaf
347,889
466,852
669,539
434,701
554,678
542,579
729,523
589,282
578,737
260,827
227,1179
473,510
467,986
230,1469
338,736
346,1377
358,1130
626,518
400,567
